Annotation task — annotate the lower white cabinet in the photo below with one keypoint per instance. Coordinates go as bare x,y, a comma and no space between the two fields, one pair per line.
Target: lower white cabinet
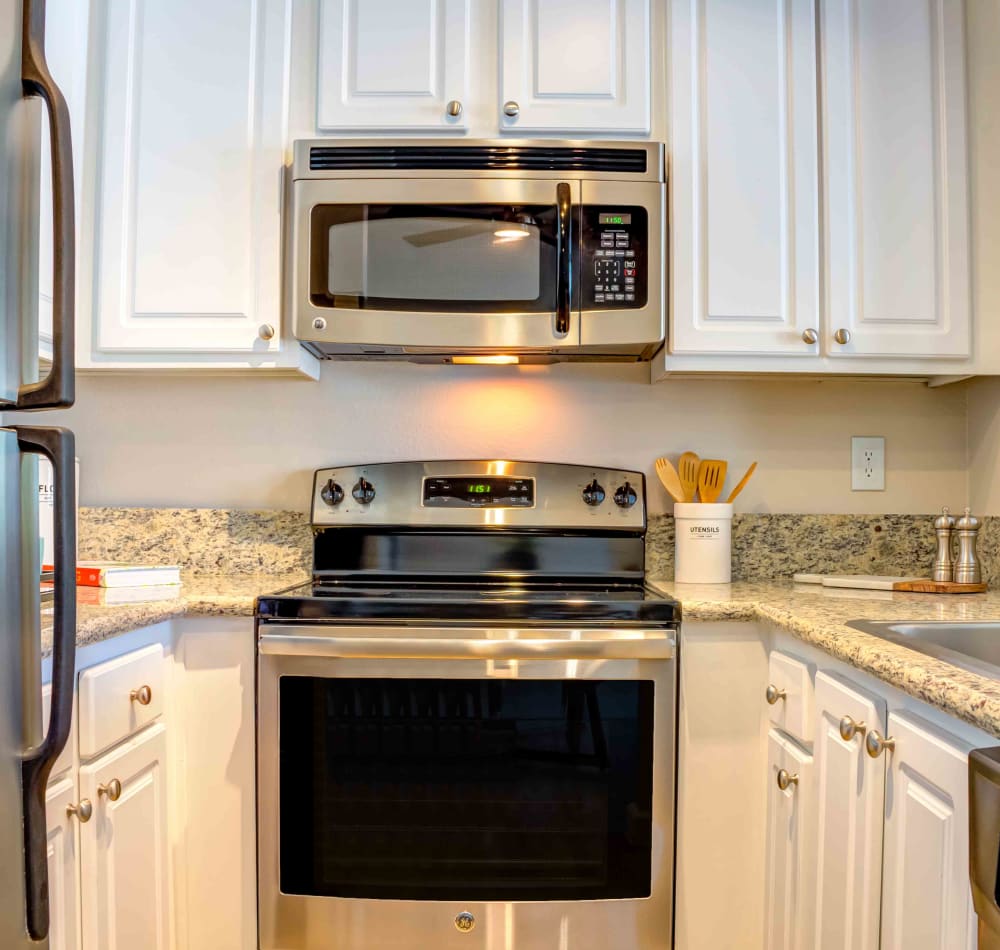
63,864
850,789
926,900
790,857
124,854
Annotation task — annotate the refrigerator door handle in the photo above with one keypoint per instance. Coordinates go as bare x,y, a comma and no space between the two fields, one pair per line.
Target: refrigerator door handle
58,445
57,390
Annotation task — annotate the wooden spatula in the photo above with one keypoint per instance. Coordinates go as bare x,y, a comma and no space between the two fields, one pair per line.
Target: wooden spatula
711,478
671,480
742,484
687,468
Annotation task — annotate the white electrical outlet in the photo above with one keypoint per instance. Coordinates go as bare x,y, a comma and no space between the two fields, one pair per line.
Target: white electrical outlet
867,463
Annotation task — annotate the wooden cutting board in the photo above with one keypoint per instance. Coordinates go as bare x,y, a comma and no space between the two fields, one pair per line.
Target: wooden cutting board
912,585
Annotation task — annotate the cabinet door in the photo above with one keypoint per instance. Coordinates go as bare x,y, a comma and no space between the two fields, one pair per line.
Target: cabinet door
392,64
850,790
745,179
64,866
575,65
926,901
190,177
897,255
789,852
124,847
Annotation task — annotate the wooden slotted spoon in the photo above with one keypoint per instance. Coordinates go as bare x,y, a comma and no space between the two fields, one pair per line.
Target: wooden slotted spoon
687,467
711,478
670,479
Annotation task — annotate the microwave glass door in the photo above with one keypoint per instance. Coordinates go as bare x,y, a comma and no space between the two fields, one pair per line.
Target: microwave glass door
451,789
444,258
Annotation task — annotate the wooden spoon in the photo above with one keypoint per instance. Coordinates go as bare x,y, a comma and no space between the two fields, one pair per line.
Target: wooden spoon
670,479
742,484
711,478
687,468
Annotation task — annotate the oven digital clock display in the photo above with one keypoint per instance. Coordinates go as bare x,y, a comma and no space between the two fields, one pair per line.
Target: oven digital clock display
463,492
614,217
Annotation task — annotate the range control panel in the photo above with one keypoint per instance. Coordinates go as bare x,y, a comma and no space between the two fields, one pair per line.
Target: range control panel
614,264
477,491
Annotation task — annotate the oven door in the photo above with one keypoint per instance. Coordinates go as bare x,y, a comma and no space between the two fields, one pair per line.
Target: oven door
434,265
468,789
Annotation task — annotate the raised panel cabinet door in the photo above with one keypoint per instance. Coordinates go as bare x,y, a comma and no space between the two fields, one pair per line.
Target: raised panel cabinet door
926,900
789,839
392,64
64,865
895,178
575,66
189,161
850,791
125,848
744,178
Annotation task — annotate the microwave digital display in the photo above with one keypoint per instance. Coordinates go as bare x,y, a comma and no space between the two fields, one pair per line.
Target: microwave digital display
606,217
464,492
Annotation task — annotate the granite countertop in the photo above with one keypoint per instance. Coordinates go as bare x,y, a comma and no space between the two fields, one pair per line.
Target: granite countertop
819,616
199,595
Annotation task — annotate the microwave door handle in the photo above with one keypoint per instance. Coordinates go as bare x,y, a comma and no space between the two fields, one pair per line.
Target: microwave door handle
57,390
563,206
58,446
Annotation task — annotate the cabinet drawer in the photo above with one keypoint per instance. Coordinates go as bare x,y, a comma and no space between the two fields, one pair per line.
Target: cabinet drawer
65,759
792,706
110,698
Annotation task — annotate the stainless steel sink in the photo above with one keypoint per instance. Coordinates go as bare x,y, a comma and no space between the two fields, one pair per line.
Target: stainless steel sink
973,646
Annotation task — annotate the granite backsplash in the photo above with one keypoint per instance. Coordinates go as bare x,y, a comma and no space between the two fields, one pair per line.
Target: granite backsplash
765,546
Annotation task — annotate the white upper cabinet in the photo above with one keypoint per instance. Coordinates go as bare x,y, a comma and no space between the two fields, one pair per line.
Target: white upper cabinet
575,66
895,165
393,64
850,790
744,177
926,900
191,103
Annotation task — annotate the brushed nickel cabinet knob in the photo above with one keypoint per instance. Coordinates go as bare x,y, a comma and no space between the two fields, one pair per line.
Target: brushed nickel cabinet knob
265,331
511,108
849,728
876,744
842,336
454,108
772,694
83,811
785,780
143,695
113,790
810,336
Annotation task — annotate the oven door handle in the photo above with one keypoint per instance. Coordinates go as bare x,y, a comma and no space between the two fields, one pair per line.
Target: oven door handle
563,275
660,645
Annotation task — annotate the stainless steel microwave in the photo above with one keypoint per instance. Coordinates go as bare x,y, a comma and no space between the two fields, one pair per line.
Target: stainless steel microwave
478,251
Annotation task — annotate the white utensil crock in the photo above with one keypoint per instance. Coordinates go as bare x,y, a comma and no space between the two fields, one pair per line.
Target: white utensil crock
703,552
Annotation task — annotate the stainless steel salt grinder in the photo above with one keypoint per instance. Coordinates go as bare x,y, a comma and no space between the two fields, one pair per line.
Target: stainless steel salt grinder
967,570
943,525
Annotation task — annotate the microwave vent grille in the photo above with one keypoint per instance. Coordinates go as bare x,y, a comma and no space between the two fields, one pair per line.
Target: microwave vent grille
478,158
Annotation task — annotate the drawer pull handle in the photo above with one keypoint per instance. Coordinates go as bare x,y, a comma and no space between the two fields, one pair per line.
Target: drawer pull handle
143,695
785,780
113,790
849,728
876,744
772,694
83,811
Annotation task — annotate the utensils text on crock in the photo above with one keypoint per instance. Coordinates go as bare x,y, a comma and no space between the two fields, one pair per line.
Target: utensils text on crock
711,478
742,484
670,479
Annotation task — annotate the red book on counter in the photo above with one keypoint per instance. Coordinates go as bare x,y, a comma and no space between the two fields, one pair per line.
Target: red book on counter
115,574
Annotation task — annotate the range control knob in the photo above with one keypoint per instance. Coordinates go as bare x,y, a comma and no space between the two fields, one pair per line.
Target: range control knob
332,493
625,496
593,494
363,492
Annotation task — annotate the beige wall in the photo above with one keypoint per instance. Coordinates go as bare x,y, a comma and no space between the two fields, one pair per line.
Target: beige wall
254,442
984,445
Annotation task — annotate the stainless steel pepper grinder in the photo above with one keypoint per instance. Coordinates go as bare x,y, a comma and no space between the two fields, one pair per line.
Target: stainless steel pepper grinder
943,525
967,570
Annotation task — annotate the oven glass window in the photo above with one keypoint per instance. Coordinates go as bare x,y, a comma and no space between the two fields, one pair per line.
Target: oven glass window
426,789
460,258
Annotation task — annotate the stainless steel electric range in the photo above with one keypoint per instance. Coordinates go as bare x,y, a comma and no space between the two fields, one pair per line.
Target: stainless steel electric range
466,721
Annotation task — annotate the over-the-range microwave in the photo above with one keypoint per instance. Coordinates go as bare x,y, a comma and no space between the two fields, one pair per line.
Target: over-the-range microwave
529,251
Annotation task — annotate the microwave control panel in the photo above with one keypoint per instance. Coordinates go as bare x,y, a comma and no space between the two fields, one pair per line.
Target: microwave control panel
614,258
